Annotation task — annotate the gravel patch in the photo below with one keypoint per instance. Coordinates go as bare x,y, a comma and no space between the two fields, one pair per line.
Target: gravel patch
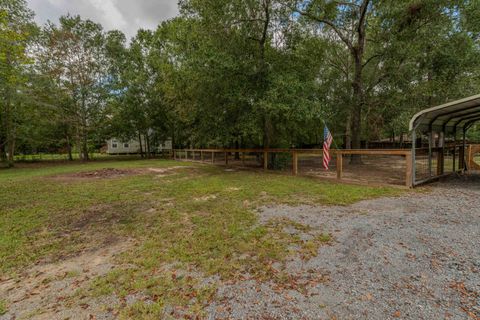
410,257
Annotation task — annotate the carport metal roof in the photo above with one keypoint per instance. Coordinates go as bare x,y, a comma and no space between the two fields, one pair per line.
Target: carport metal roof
448,117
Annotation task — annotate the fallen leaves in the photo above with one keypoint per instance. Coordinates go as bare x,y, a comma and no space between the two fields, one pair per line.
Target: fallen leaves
469,299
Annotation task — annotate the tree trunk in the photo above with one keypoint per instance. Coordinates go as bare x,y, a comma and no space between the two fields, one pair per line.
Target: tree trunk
174,140
147,142
9,134
263,70
3,153
141,146
267,128
85,156
84,124
348,133
356,115
357,52
237,146
69,147
11,153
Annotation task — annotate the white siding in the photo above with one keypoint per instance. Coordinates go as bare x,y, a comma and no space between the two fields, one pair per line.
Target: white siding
115,146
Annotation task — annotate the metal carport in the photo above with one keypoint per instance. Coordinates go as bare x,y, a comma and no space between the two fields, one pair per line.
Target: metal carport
440,126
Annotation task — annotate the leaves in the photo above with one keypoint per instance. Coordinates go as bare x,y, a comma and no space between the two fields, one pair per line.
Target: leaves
235,73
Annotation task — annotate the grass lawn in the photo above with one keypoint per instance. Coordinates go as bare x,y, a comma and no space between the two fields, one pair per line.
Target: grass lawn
189,222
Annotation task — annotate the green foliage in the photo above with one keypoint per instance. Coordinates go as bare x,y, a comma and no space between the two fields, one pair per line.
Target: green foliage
16,32
74,56
234,73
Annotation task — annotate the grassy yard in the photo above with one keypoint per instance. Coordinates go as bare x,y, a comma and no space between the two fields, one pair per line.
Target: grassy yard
189,222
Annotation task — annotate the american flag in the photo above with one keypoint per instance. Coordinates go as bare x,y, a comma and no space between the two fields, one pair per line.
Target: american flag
327,142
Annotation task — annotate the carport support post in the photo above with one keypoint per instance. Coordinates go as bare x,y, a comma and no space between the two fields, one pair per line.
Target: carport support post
430,138
454,157
441,163
464,147
413,168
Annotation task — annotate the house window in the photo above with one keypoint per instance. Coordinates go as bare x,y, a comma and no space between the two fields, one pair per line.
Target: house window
126,145
114,145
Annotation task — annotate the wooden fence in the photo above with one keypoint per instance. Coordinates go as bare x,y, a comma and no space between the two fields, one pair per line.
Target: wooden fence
473,151
437,162
213,155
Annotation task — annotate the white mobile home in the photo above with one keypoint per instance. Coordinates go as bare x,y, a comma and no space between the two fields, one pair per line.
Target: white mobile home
117,146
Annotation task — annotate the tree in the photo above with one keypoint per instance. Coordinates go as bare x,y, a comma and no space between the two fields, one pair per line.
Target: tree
138,106
235,73
250,81
16,31
76,58
375,43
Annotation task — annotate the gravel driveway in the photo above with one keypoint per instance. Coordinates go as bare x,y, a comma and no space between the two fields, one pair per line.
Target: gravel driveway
411,257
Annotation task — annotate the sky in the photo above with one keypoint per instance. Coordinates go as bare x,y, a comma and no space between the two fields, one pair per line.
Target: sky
125,15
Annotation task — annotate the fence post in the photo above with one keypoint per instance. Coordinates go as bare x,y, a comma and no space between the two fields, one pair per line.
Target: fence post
408,172
265,160
201,156
339,165
461,158
226,158
243,159
469,159
295,163
454,158
213,156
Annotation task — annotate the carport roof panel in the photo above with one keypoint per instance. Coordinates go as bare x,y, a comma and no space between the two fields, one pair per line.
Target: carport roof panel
447,115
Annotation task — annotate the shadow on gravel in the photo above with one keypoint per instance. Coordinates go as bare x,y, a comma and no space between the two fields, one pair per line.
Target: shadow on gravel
467,181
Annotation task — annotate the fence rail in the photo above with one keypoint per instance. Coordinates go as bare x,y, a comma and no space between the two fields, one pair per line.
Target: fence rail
436,162
399,161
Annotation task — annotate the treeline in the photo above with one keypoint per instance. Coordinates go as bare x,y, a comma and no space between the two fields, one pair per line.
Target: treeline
234,73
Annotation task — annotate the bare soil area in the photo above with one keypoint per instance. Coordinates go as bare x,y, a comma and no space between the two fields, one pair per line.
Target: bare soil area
48,291
113,173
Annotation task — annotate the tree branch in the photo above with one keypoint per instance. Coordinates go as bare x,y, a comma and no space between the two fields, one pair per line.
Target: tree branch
363,16
330,24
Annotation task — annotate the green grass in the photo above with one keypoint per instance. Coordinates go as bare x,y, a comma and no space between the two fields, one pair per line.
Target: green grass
200,218
3,307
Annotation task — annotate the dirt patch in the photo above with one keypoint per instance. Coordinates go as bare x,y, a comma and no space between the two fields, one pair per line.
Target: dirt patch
206,198
114,173
45,291
163,172
105,173
97,214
